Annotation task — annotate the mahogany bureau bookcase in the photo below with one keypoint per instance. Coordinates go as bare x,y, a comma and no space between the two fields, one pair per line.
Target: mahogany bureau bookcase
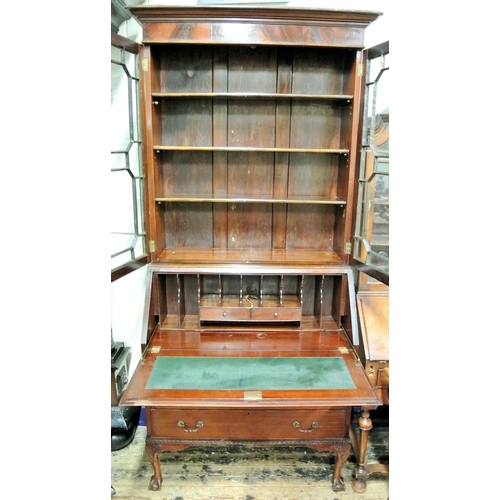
250,123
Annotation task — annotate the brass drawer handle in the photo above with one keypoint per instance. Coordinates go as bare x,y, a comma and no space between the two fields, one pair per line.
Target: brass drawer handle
314,425
182,425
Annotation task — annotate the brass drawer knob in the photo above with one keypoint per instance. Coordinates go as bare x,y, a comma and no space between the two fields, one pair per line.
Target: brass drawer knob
182,425
314,425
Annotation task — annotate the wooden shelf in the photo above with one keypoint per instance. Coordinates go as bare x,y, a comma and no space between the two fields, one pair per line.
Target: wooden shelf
322,200
229,149
250,95
276,258
192,323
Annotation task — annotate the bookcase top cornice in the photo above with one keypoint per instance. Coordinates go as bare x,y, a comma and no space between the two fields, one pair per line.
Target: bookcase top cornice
157,13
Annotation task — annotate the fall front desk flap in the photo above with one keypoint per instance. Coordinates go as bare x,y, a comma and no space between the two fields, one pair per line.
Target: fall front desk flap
215,373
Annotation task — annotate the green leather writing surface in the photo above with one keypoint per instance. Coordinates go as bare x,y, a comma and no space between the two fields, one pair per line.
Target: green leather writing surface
227,373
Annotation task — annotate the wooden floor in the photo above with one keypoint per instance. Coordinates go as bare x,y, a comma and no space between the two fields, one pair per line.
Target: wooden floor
247,473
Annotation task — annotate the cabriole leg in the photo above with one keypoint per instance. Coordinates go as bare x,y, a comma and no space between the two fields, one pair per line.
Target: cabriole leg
152,454
342,455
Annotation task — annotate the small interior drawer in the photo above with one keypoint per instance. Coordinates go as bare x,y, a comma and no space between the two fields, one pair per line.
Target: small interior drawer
224,314
276,314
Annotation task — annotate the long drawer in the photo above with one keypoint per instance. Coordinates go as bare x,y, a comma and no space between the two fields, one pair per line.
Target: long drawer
248,424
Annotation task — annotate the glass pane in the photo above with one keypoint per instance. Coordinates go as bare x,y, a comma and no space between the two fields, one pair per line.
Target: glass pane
120,128
130,62
379,80
121,243
140,248
122,206
116,53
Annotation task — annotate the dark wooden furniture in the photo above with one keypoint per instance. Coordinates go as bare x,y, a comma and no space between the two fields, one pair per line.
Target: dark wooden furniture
250,129
372,299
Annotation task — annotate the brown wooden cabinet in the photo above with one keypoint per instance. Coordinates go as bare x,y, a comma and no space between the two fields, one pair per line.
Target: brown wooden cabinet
250,126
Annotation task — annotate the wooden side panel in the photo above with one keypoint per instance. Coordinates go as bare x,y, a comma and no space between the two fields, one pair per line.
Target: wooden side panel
190,293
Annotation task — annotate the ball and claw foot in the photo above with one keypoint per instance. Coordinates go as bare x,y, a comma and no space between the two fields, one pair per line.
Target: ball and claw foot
154,484
338,485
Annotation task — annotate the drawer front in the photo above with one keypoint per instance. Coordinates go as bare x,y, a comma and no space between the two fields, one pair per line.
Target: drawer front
248,424
276,314
224,314
383,375
250,313
377,372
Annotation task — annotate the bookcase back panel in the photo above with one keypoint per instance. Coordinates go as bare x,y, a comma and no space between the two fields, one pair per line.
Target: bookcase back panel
315,125
300,70
252,69
310,226
251,123
250,225
188,225
185,69
189,290
187,172
250,174
186,122
321,71
312,175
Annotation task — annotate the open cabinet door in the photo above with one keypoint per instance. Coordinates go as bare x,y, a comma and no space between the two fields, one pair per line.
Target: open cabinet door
371,236
371,242
371,239
128,233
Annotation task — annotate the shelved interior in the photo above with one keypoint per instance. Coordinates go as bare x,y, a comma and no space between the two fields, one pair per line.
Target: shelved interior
251,147
204,301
